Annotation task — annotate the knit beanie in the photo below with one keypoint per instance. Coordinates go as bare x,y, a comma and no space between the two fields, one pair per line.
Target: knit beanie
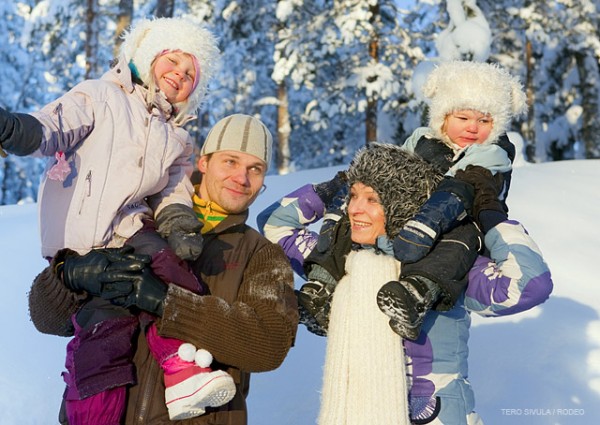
240,133
150,38
478,86
403,181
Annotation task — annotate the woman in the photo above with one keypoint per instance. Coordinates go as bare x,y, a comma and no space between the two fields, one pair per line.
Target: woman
383,188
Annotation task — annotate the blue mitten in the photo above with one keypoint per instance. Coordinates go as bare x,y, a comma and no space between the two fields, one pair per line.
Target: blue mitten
437,215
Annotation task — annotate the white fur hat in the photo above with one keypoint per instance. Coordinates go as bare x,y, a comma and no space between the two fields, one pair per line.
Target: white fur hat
483,87
240,133
150,37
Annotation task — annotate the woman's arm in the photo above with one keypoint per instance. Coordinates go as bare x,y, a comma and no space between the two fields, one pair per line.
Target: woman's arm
286,223
515,279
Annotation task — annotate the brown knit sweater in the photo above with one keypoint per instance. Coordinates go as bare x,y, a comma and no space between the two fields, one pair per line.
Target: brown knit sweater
248,322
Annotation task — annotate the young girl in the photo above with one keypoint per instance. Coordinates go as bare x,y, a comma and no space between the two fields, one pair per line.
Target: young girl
122,162
470,108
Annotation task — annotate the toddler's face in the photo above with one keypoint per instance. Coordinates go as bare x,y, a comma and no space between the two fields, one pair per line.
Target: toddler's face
174,73
468,127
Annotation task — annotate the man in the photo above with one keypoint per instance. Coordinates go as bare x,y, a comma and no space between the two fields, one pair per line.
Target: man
249,319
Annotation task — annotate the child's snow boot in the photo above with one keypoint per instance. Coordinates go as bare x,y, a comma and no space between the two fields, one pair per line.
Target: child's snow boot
190,390
406,302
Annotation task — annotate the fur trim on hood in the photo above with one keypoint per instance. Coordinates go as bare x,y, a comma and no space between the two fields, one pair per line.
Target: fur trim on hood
478,86
151,37
402,180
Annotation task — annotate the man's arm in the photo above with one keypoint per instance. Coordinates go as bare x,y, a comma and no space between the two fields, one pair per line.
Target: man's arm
255,332
51,303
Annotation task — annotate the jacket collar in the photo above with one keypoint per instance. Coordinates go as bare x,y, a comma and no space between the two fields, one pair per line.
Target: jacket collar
120,73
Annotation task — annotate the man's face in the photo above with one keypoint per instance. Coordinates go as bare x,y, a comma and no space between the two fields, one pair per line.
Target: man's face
231,179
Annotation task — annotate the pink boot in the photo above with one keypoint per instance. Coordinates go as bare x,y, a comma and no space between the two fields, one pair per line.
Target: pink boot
191,385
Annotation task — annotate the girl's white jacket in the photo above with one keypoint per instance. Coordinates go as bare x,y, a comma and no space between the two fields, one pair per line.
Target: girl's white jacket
128,160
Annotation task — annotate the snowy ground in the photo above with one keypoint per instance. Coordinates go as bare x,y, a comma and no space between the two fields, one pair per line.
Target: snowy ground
541,367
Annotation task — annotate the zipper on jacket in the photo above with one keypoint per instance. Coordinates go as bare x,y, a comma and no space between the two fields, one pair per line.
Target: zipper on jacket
58,111
145,394
88,182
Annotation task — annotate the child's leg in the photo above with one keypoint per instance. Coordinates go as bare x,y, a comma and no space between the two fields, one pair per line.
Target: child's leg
165,264
448,264
436,280
190,384
99,364
104,408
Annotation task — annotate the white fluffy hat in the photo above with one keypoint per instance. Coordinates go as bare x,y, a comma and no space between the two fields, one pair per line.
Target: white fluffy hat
483,87
240,133
150,37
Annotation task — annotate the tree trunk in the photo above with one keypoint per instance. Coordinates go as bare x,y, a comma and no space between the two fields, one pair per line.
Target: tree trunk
587,67
283,130
165,8
372,104
123,22
91,39
529,125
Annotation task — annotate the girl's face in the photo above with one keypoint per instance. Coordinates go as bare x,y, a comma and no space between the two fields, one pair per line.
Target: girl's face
467,127
367,219
174,74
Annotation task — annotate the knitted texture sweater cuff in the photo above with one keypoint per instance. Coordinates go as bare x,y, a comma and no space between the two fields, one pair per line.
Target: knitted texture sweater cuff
51,303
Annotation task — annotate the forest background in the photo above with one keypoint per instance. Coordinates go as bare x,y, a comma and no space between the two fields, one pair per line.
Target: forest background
326,76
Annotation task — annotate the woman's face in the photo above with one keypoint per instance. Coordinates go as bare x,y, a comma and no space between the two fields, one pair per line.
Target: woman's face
468,127
367,219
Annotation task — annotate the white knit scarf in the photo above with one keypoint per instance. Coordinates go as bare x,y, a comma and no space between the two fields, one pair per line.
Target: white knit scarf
364,379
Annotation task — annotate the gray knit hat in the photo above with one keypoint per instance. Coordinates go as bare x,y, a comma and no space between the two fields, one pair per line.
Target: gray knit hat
478,86
402,180
240,133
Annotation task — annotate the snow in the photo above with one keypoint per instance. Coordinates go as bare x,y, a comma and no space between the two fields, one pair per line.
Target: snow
538,368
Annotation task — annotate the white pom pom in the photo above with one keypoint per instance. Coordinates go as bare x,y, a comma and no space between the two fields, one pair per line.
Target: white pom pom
203,358
187,352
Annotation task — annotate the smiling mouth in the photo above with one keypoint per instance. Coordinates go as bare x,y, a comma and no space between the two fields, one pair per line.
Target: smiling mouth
171,83
238,192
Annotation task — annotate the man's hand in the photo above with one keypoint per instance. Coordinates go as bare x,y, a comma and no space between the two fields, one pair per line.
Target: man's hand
82,273
181,228
139,289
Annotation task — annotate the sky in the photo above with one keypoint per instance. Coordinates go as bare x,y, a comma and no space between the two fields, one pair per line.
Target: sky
541,367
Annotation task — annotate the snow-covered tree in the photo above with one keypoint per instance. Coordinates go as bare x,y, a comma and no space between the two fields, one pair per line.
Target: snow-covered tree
553,47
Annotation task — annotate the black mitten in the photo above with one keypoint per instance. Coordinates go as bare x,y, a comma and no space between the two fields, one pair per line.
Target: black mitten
20,134
180,226
333,194
142,290
82,272
330,190
487,209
